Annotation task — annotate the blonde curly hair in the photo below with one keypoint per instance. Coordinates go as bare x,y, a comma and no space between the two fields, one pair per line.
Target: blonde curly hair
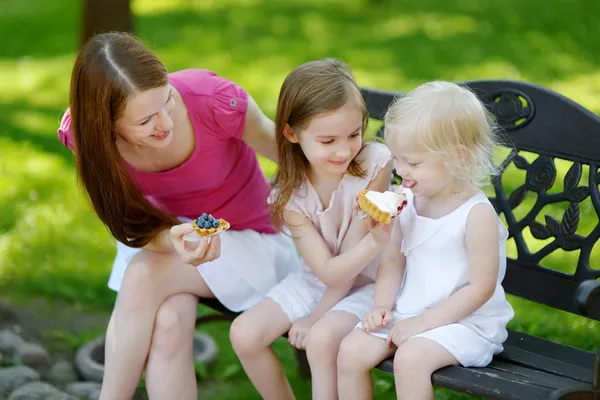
443,117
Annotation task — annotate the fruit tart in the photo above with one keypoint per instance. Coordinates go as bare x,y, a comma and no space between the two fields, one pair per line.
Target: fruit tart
207,225
381,206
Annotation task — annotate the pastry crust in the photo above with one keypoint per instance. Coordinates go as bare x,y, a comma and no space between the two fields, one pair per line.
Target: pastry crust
223,226
375,212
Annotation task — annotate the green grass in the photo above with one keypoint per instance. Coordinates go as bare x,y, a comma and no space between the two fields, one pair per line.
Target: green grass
51,244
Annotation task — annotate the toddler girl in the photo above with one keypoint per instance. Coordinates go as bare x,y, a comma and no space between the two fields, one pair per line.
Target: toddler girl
438,298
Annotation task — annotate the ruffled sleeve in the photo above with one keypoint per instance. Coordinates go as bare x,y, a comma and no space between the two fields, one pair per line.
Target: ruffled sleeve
297,201
374,157
65,133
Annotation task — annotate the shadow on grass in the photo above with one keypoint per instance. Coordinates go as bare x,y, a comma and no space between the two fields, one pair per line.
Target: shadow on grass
16,121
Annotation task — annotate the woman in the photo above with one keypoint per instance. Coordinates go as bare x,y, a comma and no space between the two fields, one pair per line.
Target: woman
154,150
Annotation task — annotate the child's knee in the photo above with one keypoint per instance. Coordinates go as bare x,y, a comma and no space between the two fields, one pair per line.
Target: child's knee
408,361
245,336
351,354
174,325
322,341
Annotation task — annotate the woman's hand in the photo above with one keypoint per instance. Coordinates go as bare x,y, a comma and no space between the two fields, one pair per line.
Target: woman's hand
207,249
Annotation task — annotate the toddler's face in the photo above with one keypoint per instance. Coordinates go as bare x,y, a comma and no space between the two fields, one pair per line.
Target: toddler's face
423,172
331,141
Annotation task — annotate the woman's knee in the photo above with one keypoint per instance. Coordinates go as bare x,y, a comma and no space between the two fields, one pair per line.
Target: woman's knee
142,280
174,325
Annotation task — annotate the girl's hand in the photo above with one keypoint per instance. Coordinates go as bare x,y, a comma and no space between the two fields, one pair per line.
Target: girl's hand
299,331
381,232
405,329
376,319
208,249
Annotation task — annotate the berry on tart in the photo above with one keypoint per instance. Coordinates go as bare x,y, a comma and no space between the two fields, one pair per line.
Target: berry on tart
381,206
206,225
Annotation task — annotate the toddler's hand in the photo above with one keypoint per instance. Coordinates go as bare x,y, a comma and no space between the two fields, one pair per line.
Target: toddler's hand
299,331
376,319
404,330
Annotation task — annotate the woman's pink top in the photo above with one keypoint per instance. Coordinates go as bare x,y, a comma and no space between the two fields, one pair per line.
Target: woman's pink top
222,177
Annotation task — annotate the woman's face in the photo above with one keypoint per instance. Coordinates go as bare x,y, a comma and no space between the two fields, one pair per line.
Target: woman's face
146,120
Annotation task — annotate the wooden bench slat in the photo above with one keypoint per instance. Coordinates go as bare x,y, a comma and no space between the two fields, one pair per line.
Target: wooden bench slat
531,375
542,363
518,372
567,354
500,380
485,382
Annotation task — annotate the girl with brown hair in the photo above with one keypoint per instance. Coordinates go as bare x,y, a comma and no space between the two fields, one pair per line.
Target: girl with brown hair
321,119
153,151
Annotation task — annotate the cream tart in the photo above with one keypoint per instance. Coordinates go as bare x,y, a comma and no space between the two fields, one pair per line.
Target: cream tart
381,206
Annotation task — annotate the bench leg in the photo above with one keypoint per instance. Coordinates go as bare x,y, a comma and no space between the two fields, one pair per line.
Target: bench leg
303,366
596,379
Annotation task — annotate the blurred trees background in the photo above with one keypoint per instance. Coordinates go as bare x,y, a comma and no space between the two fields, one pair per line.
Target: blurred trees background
104,16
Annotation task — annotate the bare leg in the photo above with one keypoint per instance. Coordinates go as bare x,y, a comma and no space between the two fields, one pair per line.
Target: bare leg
322,346
170,367
359,353
414,362
149,280
252,334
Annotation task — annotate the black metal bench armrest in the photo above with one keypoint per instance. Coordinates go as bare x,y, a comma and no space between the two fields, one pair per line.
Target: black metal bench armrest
586,295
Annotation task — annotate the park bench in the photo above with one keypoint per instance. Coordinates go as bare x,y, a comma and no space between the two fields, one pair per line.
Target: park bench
541,127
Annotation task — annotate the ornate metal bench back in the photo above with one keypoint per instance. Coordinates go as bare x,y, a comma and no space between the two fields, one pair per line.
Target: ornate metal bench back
540,121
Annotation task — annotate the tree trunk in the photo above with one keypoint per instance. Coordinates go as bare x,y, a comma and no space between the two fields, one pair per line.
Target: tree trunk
105,16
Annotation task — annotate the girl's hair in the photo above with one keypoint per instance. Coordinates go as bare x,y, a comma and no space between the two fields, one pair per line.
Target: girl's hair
441,116
109,70
312,89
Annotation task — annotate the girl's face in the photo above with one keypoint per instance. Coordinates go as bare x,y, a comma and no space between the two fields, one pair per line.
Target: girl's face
146,120
331,141
423,172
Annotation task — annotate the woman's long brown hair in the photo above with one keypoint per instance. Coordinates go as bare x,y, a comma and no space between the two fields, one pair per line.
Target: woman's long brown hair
312,89
110,68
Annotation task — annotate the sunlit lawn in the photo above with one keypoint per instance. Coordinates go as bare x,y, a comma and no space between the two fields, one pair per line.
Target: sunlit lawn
52,244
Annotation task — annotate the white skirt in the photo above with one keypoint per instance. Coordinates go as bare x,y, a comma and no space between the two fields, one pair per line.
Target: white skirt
250,264
299,294
469,348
